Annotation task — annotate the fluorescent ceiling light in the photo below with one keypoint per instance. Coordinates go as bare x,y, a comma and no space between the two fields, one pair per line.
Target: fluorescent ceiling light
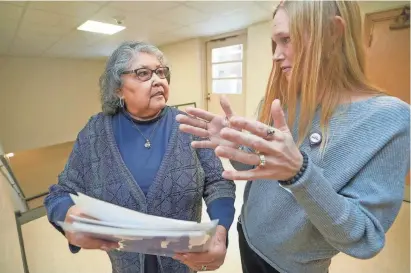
10,155
99,27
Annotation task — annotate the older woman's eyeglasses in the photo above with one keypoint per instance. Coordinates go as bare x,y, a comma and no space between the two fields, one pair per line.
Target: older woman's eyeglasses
145,74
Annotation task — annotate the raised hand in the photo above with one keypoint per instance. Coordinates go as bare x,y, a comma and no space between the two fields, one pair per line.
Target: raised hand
207,125
279,158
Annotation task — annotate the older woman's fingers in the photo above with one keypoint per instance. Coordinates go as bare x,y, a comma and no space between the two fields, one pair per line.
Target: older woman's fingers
237,155
87,242
200,113
194,130
257,128
255,142
192,121
225,105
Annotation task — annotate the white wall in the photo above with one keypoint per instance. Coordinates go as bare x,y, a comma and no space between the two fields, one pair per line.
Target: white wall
45,101
10,255
187,67
259,64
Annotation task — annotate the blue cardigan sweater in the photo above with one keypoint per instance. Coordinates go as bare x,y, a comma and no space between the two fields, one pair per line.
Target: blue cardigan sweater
96,168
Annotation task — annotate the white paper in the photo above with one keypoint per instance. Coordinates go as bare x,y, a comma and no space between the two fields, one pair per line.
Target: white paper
139,232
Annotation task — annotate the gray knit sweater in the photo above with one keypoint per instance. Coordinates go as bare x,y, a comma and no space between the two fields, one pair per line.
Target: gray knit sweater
346,200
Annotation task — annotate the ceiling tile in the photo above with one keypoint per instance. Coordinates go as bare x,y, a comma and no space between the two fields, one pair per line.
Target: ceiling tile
75,41
133,21
5,41
8,11
42,29
17,3
218,7
47,19
148,7
183,15
30,46
171,37
47,23
236,20
77,9
8,25
268,5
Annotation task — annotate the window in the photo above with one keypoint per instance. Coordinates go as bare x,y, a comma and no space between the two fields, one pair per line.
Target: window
227,69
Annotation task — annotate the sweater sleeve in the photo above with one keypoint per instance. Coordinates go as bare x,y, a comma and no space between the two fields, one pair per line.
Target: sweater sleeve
223,210
216,188
354,220
70,180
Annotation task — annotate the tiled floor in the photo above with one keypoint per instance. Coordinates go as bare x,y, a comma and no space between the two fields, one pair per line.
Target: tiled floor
47,250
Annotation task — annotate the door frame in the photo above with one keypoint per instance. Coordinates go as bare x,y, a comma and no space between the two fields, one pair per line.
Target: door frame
369,20
373,17
227,38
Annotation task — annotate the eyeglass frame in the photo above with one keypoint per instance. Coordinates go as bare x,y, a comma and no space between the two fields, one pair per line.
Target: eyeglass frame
151,71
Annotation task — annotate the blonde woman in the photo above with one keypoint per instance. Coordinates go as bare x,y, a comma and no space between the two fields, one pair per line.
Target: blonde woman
327,159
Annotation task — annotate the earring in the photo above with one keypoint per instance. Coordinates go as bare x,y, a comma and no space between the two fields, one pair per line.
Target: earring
121,102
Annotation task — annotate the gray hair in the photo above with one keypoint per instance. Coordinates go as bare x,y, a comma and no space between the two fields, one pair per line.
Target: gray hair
119,61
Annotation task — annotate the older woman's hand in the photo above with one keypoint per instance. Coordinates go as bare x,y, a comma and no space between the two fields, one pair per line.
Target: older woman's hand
275,146
84,241
210,260
207,125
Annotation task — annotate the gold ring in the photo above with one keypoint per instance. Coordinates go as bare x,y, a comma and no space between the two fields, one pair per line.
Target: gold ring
262,160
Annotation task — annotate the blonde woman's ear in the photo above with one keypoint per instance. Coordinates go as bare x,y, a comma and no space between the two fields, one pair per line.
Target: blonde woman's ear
339,24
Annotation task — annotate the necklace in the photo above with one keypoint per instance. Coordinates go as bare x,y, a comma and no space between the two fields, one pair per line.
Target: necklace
147,144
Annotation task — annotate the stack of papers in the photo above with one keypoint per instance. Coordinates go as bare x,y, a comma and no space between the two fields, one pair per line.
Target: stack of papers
139,232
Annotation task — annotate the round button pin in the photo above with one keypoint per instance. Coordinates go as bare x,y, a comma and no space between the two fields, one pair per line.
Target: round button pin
315,138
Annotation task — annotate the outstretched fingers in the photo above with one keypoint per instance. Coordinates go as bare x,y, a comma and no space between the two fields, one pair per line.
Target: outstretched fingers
200,113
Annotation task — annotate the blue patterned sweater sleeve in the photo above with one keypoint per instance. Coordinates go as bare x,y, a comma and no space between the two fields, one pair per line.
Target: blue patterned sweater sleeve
219,193
58,201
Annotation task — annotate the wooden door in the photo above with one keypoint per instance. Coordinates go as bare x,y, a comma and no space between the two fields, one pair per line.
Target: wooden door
388,56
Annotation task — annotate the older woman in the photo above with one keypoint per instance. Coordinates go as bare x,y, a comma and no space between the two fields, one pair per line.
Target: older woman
133,155
328,177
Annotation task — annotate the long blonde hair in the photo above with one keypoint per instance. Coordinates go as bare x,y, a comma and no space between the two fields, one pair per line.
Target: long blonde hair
324,64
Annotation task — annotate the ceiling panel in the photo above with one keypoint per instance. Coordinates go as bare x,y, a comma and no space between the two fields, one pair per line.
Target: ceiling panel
134,21
18,3
33,16
5,41
218,7
183,15
268,5
48,28
8,11
76,9
148,7
236,20
42,29
29,46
